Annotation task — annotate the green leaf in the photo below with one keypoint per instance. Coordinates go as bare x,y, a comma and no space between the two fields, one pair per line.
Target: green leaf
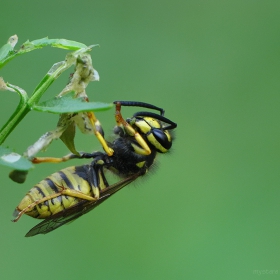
14,160
18,176
67,44
57,43
68,138
7,53
7,48
70,104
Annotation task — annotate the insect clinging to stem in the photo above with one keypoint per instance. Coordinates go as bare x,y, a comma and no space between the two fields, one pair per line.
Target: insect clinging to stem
71,192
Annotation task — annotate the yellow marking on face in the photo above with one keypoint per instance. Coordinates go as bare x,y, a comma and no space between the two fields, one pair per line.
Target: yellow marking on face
140,164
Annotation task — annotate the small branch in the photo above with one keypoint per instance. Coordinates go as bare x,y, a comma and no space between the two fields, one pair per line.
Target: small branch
21,110
26,104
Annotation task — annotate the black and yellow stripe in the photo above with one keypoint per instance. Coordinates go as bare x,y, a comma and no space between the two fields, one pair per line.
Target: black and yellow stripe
74,178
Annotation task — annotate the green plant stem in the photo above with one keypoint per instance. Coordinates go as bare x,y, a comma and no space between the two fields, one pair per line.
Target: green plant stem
13,121
21,110
25,104
56,70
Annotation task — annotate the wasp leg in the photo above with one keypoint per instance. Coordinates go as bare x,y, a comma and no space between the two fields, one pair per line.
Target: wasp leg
53,159
37,160
98,131
64,191
144,148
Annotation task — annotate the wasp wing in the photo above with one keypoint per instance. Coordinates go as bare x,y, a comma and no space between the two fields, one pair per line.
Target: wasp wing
72,213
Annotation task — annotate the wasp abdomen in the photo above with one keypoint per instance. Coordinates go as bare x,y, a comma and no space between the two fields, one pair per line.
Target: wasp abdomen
75,177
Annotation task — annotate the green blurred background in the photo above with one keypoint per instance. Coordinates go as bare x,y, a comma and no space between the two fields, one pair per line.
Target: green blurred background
210,210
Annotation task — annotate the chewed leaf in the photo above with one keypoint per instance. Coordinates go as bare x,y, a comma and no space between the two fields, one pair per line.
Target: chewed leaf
7,48
68,138
11,157
69,104
18,176
59,43
14,160
7,52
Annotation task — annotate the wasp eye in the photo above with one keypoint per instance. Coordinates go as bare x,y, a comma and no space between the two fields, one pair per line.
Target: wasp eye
162,138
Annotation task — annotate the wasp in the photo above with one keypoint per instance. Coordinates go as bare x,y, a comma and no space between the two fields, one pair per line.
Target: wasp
71,192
